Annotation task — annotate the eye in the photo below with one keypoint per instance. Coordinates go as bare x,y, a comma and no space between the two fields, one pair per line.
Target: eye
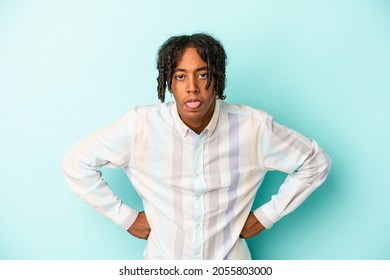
203,75
179,77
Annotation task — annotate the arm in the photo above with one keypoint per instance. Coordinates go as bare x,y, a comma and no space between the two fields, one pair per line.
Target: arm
305,162
108,147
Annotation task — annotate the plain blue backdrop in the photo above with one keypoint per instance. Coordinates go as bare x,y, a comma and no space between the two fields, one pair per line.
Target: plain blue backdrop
68,68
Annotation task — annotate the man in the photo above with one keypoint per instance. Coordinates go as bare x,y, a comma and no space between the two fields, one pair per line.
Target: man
196,162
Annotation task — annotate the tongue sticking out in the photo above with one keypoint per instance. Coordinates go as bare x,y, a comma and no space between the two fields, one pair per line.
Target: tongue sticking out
193,104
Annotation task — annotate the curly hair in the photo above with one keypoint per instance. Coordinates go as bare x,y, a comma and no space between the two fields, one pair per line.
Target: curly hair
208,48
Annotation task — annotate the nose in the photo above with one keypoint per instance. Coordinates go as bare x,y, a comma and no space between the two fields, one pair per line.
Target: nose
192,85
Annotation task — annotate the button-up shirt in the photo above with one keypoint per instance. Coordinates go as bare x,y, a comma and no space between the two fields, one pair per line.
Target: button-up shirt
197,190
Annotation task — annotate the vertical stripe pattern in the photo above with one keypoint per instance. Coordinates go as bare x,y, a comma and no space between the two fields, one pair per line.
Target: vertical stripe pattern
178,202
197,191
213,202
234,178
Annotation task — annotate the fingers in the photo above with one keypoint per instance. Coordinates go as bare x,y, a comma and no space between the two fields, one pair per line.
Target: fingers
140,228
251,227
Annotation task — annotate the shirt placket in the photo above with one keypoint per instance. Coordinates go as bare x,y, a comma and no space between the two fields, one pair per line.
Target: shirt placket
199,188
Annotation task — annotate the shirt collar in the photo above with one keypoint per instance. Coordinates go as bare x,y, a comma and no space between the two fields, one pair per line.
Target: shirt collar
183,129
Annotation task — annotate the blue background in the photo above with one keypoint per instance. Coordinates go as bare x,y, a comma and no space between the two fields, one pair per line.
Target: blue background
68,68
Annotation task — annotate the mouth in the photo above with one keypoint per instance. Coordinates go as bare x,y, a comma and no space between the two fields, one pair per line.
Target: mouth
193,104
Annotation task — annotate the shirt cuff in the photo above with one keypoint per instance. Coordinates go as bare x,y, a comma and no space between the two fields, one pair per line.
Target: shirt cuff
263,219
126,218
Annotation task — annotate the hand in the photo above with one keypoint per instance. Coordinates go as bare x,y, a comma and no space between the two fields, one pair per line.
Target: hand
252,227
140,228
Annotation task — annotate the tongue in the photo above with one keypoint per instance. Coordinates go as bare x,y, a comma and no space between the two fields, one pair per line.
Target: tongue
193,104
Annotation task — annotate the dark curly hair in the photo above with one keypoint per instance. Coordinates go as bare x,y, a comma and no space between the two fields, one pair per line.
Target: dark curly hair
209,49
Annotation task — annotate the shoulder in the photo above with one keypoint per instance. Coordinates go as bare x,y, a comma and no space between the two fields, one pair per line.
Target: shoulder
149,111
143,120
244,111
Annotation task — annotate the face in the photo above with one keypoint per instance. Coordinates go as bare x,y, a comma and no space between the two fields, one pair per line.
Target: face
195,104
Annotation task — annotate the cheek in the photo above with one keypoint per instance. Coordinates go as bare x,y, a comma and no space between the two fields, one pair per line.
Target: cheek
211,94
176,87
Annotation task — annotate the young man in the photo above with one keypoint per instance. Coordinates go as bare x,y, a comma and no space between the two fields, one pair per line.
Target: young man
196,162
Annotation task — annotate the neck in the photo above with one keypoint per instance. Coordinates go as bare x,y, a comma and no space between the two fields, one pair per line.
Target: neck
198,125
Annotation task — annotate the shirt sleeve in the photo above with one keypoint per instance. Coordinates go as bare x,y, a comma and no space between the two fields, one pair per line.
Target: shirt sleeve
305,162
108,147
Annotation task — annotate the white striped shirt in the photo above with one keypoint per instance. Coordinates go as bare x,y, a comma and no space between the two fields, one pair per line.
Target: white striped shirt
197,190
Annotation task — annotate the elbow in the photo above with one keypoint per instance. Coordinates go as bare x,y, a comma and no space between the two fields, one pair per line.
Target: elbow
317,169
325,167
69,169
66,164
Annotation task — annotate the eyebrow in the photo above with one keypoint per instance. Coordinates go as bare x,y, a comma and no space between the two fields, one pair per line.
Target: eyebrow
184,70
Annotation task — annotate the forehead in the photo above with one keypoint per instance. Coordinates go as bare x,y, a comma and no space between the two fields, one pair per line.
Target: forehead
190,59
